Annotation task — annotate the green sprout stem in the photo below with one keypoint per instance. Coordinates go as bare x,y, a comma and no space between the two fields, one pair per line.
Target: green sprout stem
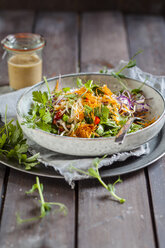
112,192
46,82
6,126
45,207
40,191
94,172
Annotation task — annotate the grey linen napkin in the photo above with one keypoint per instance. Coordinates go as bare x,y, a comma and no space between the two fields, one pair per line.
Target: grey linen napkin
61,162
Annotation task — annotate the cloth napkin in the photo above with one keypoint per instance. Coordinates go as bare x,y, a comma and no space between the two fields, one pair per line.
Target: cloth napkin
61,162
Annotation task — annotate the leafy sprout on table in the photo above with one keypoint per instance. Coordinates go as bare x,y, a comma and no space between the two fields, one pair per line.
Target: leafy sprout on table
45,207
94,172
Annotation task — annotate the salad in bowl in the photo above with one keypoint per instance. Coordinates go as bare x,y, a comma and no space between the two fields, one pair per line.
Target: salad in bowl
81,114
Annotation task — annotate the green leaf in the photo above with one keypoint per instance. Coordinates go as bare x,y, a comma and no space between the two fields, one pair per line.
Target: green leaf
15,133
28,166
134,128
89,85
21,148
93,173
66,89
131,63
2,140
97,112
104,113
45,97
121,75
34,187
88,109
104,70
40,97
65,118
47,118
109,123
71,96
79,83
37,96
96,162
135,91
44,126
33,158
100,130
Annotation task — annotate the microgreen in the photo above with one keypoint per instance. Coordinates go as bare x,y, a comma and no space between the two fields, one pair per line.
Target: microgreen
138,90
71,96
104,70
47,85
14,146
94,172
119,75
79,83
130,64
45,207
66,89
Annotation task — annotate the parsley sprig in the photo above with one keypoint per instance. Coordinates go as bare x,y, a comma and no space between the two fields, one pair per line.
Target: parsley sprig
45,207
14,146
94,172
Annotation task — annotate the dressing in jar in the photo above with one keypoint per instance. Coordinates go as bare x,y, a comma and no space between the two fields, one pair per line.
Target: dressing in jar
24,59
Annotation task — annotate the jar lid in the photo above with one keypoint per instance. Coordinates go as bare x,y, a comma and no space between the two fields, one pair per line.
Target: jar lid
23,42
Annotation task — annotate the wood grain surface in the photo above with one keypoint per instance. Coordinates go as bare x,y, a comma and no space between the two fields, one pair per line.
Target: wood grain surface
104,223
87,42
12,22
54,229
61,34
151,35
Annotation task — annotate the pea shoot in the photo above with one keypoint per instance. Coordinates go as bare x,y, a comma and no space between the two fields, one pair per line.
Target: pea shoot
94,172
45,207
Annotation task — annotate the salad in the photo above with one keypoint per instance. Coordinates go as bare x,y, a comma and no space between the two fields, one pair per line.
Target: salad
90,110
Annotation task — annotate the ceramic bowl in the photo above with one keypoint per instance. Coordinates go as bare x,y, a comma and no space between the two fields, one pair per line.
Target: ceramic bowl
98,146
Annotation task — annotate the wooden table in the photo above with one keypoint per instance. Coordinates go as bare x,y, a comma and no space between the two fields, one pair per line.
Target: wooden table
87,42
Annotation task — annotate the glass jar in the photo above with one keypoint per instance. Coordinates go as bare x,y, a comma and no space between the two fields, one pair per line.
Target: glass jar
24,58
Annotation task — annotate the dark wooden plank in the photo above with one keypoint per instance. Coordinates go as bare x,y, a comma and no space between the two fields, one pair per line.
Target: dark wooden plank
150,31
100,36
157,185
61,50
141,6
12,22
2,187
60,31
147,33
102,222
54,230
2,178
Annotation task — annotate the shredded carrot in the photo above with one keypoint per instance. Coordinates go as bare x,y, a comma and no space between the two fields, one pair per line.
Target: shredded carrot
85,130
106,90
57,85
147,122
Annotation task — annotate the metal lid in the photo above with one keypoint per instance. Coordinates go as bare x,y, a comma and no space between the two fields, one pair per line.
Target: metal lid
23,42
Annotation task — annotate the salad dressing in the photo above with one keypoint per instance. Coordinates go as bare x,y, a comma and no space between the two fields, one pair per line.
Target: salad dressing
24,70
24,58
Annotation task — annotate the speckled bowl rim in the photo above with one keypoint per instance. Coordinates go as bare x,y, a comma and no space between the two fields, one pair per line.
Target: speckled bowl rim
88,74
